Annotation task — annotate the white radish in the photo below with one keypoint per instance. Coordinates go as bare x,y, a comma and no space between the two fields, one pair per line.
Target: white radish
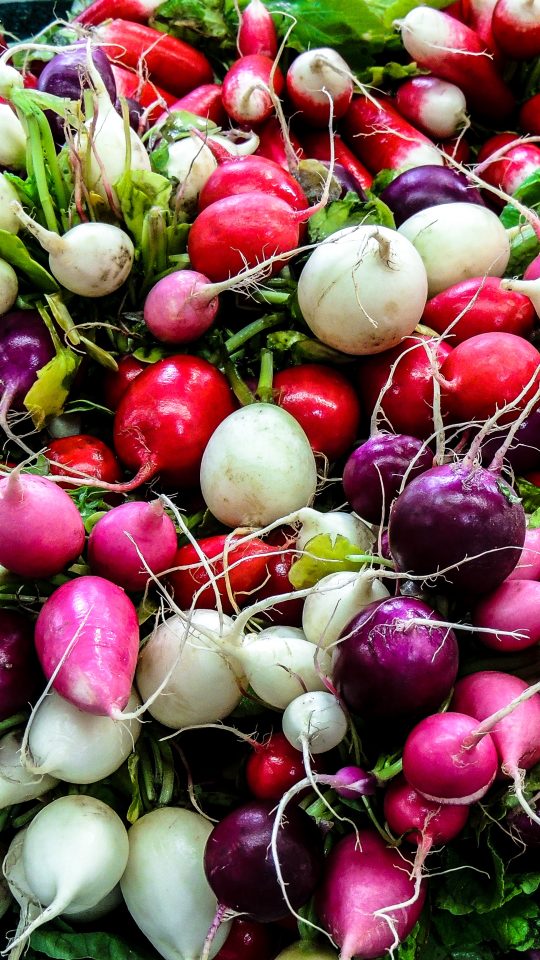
164,884
74,852
5,895
9,286
335,523
531,289
363,289
77,746
457,241
281,664
9,220
257,466
12,139
334,601
315,720
17,785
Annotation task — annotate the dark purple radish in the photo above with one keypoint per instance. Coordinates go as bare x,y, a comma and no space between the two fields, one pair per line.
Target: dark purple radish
376,471
19,670
390,663
459,526
25,347
66,75
130,538
427,186
41,530
522,829
523,454
239,866
361,899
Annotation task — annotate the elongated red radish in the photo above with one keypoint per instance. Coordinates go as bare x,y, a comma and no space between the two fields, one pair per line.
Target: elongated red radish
315,78
171,63
138,11
256,31
475,306
126,532
528,565
436,107
167,416
87,641
511,614
478,14
132,85
457,241
245,89
529,115
41,530
273,146
454,52
203,101
516,28
382,139
239,571
316,144
236,175
509,168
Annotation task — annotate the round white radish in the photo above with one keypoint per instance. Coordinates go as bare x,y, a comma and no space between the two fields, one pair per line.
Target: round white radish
281,664
77,746
12,139
9,286
205,682
165,887
334,524
258,466
335,600
9,220
457,241
363,289
17,785
314,78
315,719
6,899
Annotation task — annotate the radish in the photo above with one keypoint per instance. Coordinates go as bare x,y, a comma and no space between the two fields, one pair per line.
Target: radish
528,287
87,641
437,107
378,469
25,348
478,14
320,84
457,241
475,306
20,676
130,538
116,382
528,565
236,175
316,144
371,275
164,884
246,95
382,139
454,52
364,883
66,75
305,950
84,456
511,608
17,784
314,723
251,940
257,467
280,664
256,31
281,146
510,167
333,603
516,28
12,140
8,219
192,162
273,768
76,746
529,115
9,286
333,524
74,852
41,530
204,101
427,186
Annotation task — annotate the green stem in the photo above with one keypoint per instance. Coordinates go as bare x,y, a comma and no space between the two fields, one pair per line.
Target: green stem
369,810
388,771
266,376
15,721
240,389
273,297
167,779
238,340
373,561
61,191
146,773
40,173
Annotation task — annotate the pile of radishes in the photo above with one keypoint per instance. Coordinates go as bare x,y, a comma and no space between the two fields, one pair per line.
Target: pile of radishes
269,541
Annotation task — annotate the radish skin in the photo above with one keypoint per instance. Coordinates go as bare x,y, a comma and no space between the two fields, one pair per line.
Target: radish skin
335,600
18,785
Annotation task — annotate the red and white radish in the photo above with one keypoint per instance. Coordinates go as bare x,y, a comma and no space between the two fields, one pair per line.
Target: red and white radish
320,85
516,28
382,139
256,31
246,94
437,107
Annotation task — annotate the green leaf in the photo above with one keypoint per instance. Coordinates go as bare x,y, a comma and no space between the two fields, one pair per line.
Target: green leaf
47,395
14,251
524,247
323,556
527,193
136,807
77,946
138,192
349,212
529,494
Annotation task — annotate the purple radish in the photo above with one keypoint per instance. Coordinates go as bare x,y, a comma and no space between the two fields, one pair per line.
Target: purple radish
523,453
66,75
391,663
458,525
19,669
87,640
522,829
427,186
364,881
126,531
25,347
376,471
510,616
41,530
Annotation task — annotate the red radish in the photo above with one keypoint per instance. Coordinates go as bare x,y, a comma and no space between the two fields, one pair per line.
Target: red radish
83,456
419,820
486,372
529,115
399,383
116,382
19,670
456,149
513,608
320,85
274,767
454,52
171,63
203,101
131,85
436,107
256,32
382,139
122,534
87,641
139,11
248,939
166,417
475,306
244,566
528,565
509,170
288,613
516,28
273,146
238,175
478,14
325,404
316,144
41,530
364,878
246,97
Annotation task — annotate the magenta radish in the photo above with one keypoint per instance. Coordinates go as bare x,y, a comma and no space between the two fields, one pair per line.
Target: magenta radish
256,31
528,565
382,139
333,603
41,530
374,277
509,616
17,784
87,641
454,52
363,879
20,677
245,91
516,28
478,305
377,470
320,85
164,884
436,107
130,538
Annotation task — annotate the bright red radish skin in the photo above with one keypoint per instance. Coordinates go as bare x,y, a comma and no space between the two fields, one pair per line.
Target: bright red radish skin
139,11
529,115
457,149
289,612
257,33
314,78
204,101
478,14
382,139
245,97
485,308
238,175
166,417
514,607
436,107
85,455
363,876
130,85
116,382
516,28
316,144
510,170
272,144
273,768
113,555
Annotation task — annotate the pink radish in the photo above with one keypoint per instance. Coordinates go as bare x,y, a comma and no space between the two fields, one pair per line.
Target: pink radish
454,52
528,565
87,641
41,530
436,107
382,139
246,95
256,32
129,538
516,28
512,614
315,78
